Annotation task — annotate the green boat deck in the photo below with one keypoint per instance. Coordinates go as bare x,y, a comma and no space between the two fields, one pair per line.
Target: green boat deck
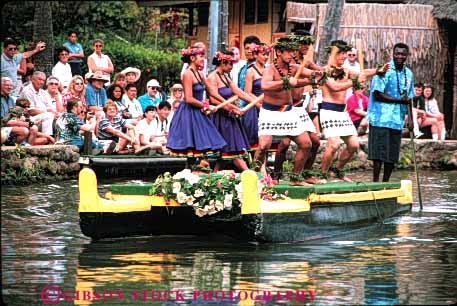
294,192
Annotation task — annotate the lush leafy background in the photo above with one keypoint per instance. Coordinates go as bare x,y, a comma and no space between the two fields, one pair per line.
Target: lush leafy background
141,37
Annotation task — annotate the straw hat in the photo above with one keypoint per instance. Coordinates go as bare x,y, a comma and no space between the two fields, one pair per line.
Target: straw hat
97,75
136,71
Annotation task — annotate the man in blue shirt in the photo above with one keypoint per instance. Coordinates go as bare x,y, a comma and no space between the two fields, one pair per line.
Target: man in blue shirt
95,92
250,60
390,96
152,97
76,56
11,59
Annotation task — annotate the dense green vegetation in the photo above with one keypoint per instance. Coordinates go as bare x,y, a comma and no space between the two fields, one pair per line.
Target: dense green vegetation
142,37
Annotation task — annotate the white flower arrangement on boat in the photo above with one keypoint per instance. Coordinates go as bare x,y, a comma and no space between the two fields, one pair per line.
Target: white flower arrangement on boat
208,194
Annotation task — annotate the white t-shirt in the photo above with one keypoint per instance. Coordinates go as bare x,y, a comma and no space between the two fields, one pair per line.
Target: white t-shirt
160,127
63,73
144,128
134,106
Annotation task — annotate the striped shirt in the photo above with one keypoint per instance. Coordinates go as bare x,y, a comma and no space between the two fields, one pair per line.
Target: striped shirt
118,123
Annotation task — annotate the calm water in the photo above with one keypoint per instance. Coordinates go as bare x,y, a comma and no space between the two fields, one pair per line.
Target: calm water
411,259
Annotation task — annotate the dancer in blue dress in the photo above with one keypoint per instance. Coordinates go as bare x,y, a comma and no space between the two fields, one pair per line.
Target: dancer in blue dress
252,87
192,134
227,118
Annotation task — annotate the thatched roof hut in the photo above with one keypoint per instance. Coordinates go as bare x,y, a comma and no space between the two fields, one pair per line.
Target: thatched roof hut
380,27
442,9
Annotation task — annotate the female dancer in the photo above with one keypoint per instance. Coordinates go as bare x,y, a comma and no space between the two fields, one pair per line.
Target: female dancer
226,119
252,87
192,133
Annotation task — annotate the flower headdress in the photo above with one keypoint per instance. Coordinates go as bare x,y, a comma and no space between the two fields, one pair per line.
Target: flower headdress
285,44
260,49
192,51
223,57
341,48
301,39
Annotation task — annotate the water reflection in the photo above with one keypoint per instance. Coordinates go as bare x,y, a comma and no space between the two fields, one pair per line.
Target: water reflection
410,259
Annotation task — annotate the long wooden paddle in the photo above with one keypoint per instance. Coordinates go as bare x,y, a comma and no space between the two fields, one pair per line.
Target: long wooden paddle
306,58
410,117
358,45
254,102
221,105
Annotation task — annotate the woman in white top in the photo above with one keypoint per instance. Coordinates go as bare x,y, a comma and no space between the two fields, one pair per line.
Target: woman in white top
98,61
432,111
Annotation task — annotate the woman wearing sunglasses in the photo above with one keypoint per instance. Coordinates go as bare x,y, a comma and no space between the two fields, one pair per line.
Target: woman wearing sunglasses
76,90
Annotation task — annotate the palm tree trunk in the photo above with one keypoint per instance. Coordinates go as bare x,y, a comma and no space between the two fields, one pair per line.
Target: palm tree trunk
42,31
331,27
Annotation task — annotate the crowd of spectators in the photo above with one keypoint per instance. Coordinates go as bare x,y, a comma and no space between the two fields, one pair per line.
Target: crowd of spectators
39,109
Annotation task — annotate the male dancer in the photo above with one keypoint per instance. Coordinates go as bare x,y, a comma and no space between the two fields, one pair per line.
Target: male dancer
276,117
304,40
335,121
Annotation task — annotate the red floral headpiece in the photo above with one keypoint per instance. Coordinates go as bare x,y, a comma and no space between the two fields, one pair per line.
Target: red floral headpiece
223,57
192,51
260,49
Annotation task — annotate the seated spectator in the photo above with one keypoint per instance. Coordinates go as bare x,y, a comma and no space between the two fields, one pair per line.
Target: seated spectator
41,111
176,93
54,97
62,70
119,79
95,93
176,96
432,111
20,117
13,133
418,110
132,75
7,99
110,128
357,106
133,108
76,89
115,94
144,130
151,97
161,124
71,127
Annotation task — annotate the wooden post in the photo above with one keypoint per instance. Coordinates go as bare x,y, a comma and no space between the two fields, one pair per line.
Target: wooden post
87,148
331,27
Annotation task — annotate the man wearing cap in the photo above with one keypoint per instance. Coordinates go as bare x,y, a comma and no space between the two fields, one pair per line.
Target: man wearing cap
132,75
151,97
95,92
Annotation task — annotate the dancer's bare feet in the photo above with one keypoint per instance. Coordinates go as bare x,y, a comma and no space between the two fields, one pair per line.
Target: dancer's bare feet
299,183
315,181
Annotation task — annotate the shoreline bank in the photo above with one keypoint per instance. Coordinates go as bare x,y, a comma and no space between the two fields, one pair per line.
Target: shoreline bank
27,165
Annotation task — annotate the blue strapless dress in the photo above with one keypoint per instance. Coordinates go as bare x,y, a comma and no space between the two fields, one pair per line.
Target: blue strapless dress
192,133
231,130
251,118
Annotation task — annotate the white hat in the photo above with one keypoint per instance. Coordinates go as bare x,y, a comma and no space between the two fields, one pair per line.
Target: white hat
136,71
153,83
97,75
